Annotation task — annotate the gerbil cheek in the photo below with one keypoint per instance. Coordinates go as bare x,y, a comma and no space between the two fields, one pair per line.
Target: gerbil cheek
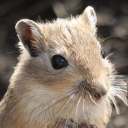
109,69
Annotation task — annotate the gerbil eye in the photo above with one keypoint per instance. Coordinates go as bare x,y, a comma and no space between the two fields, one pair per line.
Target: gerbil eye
102,53
58,62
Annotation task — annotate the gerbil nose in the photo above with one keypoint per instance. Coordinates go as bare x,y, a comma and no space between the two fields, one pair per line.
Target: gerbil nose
97,91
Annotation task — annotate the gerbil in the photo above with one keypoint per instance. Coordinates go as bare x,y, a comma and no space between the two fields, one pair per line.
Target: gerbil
62,75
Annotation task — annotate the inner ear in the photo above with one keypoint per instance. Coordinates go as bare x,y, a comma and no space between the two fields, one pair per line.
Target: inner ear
30,36
90,16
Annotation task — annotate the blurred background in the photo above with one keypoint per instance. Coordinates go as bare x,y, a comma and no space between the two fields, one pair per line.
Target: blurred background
112,22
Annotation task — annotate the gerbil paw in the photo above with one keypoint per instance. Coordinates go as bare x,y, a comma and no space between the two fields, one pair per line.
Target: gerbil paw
69,124
93,126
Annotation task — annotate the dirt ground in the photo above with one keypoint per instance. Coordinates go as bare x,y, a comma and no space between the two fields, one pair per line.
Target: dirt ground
112,22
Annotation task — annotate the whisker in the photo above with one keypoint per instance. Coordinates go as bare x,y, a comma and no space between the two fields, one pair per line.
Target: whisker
74,103
108,101
122,97
115,104
93,100
77,107
54,104
119,89
66,123
108,56
47,124
60,108
84,113
120,93
83,109
28,124
65,103
59,122
48,119
53,100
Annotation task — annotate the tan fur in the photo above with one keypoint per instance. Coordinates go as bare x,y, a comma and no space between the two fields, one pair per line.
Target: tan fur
34,97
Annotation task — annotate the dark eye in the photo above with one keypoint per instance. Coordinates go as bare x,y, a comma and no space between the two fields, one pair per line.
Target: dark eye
58,62
102,53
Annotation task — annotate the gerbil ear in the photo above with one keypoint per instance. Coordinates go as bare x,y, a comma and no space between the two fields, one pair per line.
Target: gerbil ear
89,16
30,36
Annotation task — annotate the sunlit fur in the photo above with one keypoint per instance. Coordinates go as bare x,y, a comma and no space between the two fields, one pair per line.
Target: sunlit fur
41,97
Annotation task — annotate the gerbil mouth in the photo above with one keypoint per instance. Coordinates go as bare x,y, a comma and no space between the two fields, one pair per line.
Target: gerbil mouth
97,92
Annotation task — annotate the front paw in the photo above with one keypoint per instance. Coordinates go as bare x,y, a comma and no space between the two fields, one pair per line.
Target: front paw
71,124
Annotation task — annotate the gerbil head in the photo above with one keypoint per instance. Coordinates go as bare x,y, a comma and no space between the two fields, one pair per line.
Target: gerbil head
65,59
